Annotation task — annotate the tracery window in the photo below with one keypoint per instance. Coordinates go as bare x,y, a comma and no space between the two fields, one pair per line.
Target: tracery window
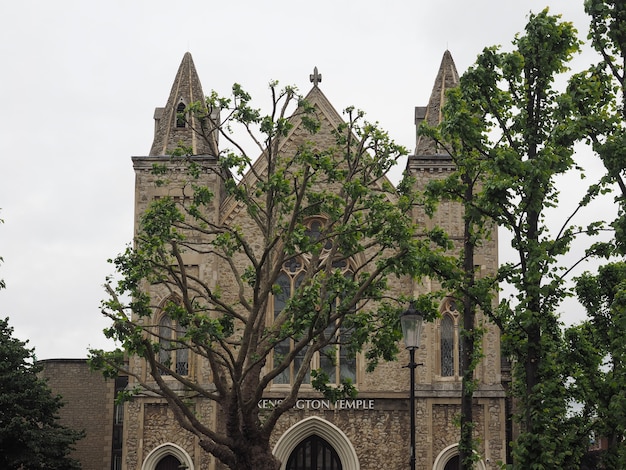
288,281
334,359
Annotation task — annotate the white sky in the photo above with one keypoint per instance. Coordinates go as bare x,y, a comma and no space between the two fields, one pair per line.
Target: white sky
81,79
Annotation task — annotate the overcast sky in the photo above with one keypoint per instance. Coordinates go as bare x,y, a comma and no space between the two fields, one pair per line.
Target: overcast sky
81,79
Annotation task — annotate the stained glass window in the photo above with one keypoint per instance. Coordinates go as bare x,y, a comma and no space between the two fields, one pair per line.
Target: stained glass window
287,283
333,359
447,346
171,353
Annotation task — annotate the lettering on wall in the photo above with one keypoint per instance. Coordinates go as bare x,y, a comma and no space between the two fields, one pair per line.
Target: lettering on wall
320,404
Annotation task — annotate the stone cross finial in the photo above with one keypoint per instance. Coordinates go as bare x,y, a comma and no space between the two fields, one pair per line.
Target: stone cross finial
315,77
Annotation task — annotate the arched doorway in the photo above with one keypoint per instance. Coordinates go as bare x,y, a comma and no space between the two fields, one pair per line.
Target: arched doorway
314,453
169,462
315,426
448,459
168,456
452,464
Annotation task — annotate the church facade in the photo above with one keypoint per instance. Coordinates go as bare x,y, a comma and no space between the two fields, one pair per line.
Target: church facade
372,430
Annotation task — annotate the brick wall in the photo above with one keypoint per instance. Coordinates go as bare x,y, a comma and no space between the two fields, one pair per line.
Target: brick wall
88,399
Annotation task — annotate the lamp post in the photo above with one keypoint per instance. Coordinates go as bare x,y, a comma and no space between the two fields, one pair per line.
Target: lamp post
412,323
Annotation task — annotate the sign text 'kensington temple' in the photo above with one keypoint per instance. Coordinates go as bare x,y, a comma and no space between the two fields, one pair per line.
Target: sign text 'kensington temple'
321,404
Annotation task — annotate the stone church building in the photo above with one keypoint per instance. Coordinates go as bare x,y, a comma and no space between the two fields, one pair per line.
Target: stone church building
372,431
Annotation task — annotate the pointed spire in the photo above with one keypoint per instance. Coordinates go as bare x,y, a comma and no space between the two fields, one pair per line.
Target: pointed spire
169,128
447,78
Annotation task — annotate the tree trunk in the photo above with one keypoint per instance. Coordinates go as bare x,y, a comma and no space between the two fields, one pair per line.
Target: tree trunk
257,457
467,342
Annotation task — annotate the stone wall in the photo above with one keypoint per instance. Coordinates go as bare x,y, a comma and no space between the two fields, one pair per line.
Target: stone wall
379,431
150,423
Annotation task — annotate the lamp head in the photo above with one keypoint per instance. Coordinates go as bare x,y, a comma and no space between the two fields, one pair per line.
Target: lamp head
412,323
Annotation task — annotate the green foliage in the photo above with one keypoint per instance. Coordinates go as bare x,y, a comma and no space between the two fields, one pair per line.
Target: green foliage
512,135
320,382
597,350
30,434
462,135
599,98
596,346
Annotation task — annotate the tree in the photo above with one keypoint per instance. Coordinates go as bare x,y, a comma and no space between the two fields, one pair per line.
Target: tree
316,201
600,102
605,123
599,99
461,135
530,132
598,352
30,434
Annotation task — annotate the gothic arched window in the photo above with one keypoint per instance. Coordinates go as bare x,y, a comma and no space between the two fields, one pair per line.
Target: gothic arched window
288,281
334,359
447,346
172,353
449,343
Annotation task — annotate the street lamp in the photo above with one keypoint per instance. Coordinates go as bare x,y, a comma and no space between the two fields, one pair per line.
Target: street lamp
412,323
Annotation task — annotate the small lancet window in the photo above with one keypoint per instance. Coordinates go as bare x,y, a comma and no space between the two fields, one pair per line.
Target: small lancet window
450,341
165,348
447,346
181,122
171,353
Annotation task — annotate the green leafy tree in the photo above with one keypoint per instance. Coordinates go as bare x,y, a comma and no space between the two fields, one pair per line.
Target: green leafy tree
600,102
462,136
333,174
30,434
527,142
599,99
607,80
598,352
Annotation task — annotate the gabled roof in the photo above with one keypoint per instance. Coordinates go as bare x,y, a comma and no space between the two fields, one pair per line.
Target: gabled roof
447,78
330,120
185,90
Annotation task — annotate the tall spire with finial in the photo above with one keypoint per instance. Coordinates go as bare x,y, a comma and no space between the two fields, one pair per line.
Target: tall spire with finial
447,78
171,128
